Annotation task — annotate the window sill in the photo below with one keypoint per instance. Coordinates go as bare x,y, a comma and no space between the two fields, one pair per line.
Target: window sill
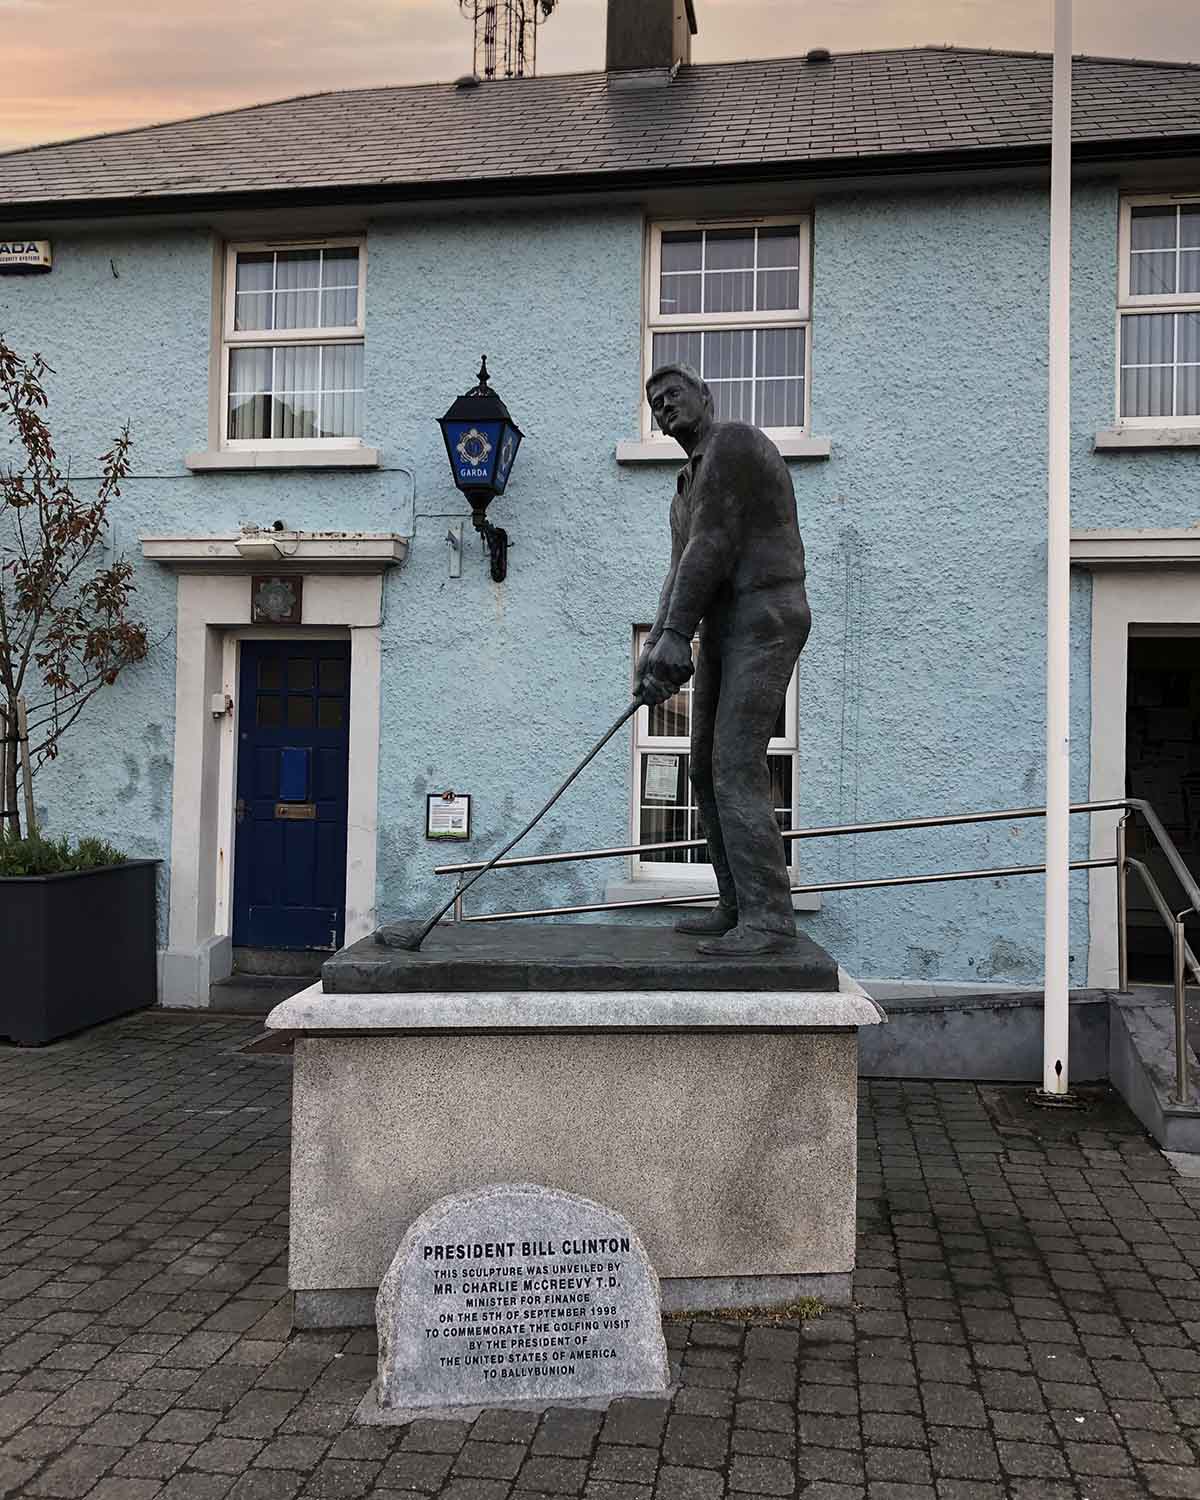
646,890
227,460
658,451
1148,437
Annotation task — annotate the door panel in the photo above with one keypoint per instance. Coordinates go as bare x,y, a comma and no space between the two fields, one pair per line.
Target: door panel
292,785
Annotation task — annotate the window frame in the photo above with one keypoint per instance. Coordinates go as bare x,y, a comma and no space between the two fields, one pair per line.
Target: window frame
1146,302
250,338
654,321
642,743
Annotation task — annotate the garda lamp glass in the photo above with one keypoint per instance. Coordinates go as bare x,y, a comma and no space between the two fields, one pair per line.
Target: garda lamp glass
481,443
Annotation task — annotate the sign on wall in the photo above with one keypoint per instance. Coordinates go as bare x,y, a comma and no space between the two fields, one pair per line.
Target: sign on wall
447,815
22,255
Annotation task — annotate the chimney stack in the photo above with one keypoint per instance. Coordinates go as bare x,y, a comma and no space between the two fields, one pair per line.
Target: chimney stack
649,34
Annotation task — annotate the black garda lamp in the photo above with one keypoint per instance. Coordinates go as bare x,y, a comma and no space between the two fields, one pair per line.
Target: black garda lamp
481,443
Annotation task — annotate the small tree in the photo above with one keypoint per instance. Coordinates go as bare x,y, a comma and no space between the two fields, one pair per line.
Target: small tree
65,627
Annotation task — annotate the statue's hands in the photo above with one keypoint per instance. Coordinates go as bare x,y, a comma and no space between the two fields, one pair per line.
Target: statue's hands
664,667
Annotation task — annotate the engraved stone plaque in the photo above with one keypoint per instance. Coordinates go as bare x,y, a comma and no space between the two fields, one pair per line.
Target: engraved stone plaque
518,1293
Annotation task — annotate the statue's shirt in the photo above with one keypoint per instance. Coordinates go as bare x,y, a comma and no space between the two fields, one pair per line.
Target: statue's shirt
733,527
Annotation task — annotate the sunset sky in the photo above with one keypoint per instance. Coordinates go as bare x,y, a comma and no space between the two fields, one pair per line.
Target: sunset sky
75,67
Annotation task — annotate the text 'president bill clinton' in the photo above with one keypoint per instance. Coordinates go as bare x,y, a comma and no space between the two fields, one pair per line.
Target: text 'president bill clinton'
737,575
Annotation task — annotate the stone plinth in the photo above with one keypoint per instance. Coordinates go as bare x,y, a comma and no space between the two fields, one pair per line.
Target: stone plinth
720,1122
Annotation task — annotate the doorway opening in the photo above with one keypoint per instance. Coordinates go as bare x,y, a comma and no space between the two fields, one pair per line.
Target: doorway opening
1162,765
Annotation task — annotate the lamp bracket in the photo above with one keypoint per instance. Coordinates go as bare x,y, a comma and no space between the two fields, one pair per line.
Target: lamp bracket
495,539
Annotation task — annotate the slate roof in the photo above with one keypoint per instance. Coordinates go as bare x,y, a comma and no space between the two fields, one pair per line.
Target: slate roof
717,119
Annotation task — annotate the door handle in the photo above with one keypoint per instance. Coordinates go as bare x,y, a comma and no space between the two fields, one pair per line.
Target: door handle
239,809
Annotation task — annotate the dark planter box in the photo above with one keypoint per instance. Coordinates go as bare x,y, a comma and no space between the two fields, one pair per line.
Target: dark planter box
76,949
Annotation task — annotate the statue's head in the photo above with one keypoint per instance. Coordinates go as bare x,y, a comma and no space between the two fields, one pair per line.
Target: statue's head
680,400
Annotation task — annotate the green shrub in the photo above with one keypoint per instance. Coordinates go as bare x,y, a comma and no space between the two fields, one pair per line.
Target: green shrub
40,856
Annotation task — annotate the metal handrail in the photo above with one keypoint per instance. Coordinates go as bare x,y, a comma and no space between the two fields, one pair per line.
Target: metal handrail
1184,958
939,877
834,830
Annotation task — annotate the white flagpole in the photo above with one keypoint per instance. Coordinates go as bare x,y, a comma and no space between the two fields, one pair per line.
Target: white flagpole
1058,581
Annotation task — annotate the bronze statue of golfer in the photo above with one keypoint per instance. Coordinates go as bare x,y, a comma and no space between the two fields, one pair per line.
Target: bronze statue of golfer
737,574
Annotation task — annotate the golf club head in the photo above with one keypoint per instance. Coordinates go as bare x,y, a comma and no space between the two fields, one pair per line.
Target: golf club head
405,934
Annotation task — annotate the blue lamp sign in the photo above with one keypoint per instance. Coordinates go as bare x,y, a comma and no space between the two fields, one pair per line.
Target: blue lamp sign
481,443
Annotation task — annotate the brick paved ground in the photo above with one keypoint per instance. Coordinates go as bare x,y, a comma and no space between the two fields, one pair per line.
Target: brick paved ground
1027,1322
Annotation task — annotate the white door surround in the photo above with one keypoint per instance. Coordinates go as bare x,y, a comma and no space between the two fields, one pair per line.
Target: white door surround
1140,578
342,599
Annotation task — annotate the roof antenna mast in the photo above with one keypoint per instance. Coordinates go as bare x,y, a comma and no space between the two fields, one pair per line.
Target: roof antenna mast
506,35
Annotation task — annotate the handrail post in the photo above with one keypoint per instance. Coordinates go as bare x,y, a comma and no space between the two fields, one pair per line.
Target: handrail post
1122,904
458,907
1182,1085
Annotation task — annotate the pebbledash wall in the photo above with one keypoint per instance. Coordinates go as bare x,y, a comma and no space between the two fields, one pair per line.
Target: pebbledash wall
921,690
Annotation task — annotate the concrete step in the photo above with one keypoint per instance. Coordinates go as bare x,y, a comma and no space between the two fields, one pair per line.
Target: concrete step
996,1036
276,962
255,994
1141,1062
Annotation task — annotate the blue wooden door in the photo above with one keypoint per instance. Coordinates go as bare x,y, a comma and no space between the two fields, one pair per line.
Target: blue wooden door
289,873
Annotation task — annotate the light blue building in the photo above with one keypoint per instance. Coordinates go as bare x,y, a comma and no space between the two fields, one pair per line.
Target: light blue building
282,300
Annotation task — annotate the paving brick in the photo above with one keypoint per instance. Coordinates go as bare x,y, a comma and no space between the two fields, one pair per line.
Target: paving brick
424,1472
683,1483
553,1475
122,1488
73,1473
489,1460
626,1464
762,1476
570,1434
641,1421
696,1441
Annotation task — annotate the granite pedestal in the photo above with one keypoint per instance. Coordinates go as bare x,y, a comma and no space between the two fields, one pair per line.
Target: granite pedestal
712,1102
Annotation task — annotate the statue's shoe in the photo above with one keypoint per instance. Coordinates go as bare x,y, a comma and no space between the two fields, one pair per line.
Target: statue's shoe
747,942
708,923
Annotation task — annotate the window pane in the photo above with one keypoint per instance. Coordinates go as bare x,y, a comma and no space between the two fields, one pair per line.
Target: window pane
779,247
1189,270
331,713
297,268
681,250
676,349
339,308
249,417
298,367
343,367
249,371
1146,391
1152,272
342,415
781,351
341,267
729,291
253,310
778,289
270,712
1187,327
729,250
298,309
780,767
255,271
780,403
680,294
270,673
1147,338
300,673
728,355
296,416
300,713
1187,391
1153,228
